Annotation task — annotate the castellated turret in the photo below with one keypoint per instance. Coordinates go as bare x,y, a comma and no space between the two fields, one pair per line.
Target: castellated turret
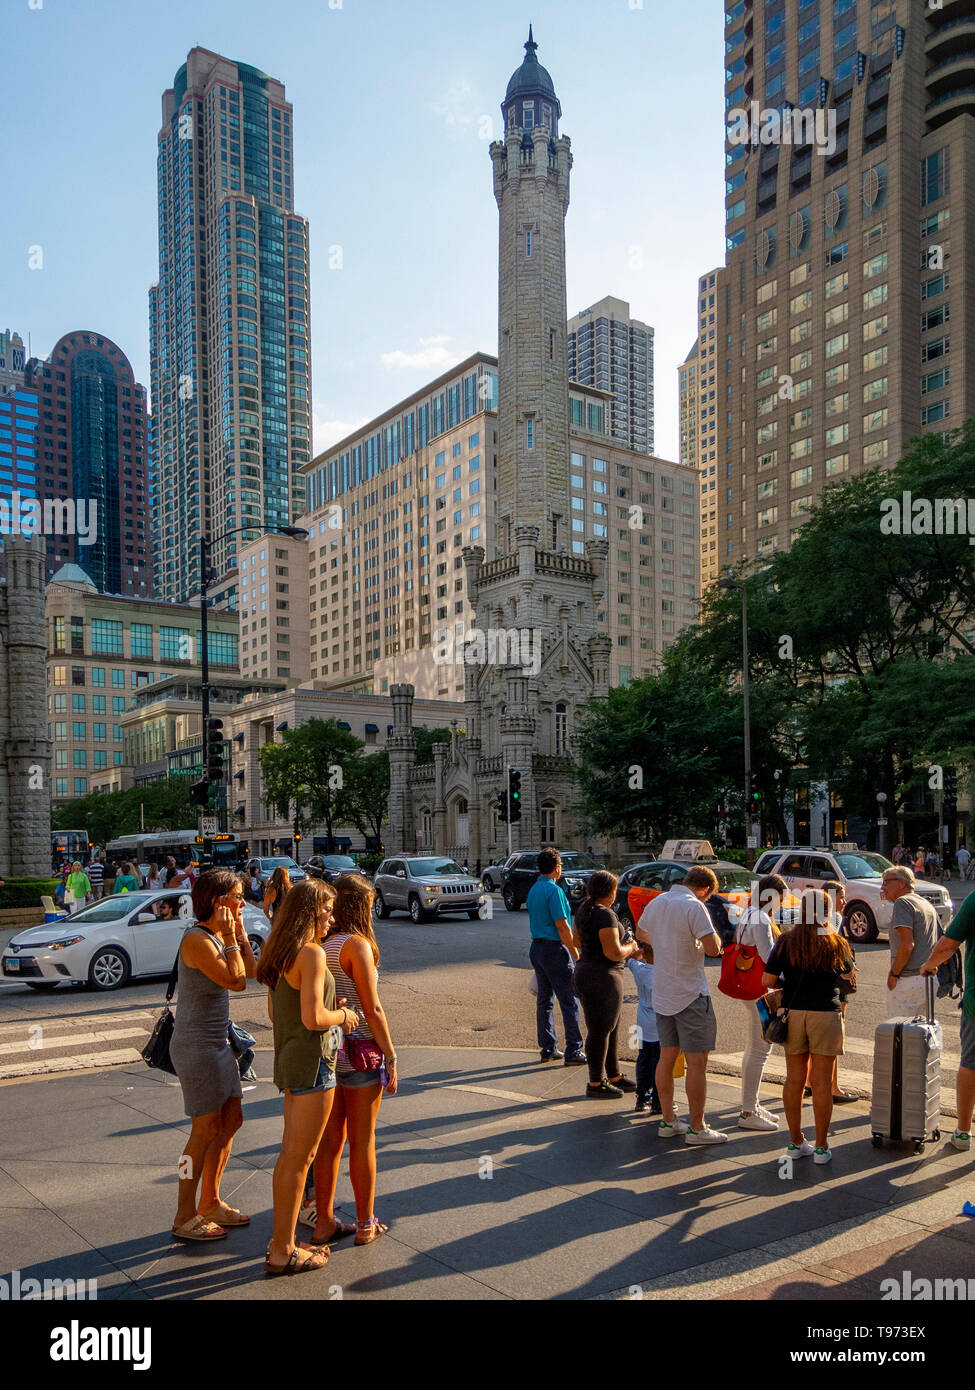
25,767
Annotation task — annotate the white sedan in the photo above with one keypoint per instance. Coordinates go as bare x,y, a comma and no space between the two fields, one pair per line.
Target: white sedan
112,941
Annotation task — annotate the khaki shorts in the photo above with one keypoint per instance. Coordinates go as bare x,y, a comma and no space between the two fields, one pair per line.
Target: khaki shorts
815,1030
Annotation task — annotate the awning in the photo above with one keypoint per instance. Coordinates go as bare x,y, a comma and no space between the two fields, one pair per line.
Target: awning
372,728
342,725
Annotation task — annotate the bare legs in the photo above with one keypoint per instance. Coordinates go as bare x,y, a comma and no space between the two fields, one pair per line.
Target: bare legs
204,1159
304,1123
354,1117
820,1071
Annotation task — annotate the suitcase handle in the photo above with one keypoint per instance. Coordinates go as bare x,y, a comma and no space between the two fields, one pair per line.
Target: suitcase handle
929,995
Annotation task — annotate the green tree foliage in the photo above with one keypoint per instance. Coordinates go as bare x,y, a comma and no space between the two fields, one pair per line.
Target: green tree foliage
305,774
367,786
107,815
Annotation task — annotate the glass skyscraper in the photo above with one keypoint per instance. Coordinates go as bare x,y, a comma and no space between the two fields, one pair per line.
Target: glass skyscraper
229,322
614,352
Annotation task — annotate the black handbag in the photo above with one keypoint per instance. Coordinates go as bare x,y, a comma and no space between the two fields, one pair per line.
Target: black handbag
777,1028
156,1051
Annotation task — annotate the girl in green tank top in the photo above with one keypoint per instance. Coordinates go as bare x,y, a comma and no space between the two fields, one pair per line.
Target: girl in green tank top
308,1027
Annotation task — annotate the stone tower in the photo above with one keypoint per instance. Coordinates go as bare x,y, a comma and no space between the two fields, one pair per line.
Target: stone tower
531,186
25,768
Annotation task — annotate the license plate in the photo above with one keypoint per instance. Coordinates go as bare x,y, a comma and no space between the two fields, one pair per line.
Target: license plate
11,965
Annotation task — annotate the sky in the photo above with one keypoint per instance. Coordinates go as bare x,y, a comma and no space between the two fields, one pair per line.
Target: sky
395,103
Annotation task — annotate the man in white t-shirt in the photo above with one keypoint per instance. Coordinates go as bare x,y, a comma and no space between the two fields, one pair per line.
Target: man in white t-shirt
677,927
756,928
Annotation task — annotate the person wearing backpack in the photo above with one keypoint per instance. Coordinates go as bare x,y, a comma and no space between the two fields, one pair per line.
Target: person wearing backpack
756,928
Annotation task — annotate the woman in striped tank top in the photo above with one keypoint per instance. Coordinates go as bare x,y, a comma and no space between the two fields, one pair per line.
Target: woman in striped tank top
353,957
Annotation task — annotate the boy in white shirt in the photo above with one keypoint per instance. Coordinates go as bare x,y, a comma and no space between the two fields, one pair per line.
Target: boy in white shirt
647,1100
756,928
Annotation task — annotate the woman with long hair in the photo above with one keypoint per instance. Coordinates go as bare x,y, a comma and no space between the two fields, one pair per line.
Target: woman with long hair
353,958
274,894
756,927
307,1027
598,981
128,879
813,962
215,958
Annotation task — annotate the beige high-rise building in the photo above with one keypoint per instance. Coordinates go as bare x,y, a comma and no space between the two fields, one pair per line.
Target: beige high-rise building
613,351
386,570
842,314
699,409
272,599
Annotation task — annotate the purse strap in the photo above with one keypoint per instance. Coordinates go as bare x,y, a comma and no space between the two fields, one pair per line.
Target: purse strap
174,973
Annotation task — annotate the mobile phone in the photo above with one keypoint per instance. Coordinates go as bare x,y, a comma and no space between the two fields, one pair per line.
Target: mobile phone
383,1076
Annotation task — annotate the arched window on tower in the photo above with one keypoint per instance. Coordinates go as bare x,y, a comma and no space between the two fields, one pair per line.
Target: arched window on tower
561,730
548,818
528,115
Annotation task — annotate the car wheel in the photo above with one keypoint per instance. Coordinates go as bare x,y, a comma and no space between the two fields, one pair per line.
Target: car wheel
109,969
511,899
379,908
473,913
860,924
45,986
416,909
625,919
257,945
488,882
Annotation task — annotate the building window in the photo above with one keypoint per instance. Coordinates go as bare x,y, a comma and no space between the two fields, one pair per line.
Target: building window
531,433
547,818
106,636
140,636
561,730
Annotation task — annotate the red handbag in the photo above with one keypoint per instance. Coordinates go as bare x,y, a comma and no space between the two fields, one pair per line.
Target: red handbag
741,972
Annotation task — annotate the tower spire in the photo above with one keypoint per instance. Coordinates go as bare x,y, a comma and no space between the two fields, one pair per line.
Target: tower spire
531,45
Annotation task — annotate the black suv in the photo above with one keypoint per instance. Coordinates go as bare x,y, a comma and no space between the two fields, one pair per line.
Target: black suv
521,871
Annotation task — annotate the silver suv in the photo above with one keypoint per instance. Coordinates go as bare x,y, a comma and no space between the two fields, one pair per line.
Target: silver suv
425,886
866,913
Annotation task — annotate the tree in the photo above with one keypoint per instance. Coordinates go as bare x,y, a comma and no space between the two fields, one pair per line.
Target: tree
367,787
425,739
307,771
163,805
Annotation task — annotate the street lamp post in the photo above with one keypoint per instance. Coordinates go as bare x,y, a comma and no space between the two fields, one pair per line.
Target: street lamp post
206,544
882,822
728,583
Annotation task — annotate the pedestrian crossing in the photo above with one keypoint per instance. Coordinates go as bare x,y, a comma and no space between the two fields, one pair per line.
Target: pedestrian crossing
53,1046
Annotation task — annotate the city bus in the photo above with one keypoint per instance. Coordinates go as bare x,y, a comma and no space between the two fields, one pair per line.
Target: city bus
185,846
67,846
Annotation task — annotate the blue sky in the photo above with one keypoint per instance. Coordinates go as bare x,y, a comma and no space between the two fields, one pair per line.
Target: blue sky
390,165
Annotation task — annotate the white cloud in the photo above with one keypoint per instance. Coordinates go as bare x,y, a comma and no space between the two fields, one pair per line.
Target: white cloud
326,431
431,352
458,109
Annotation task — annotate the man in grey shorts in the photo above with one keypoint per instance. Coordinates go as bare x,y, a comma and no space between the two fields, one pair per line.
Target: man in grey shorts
678,929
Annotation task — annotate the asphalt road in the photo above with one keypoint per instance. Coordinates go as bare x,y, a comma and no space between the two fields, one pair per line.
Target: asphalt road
451,982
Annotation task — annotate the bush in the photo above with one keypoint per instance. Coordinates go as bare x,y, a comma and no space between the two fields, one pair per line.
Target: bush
736,856
26,892
369,863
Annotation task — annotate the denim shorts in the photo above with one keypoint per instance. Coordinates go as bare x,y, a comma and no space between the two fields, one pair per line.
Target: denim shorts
324,1081
355,1080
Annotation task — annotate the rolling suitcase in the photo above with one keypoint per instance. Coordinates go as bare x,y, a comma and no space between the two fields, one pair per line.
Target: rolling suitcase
906,1102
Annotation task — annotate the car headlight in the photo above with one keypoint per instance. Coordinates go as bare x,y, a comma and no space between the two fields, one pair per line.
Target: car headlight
60,945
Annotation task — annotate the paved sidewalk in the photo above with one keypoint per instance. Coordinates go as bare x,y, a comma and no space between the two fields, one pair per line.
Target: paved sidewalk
497,1179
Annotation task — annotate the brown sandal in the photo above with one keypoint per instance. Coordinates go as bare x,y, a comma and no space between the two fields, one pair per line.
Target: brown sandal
199,1228
310,1263
374,1226
339,1232
236,1218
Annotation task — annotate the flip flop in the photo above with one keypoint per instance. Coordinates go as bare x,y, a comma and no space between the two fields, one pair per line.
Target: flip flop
307,1266
239,1219
844,1098
199,1228
340,1232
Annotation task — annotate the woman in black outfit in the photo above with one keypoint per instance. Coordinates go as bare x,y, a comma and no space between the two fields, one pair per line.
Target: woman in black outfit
598,982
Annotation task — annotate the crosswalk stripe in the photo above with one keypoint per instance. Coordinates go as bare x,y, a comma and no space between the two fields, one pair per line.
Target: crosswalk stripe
93,1020
82,1062
44,1042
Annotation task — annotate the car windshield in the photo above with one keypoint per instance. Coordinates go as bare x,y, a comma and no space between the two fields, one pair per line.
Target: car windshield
337,861
860,865
573,861
288,864
110,909
734,880
427,868
877,861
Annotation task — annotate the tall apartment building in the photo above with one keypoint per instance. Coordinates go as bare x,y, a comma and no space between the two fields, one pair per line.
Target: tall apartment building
843,309
699,410
393,506
101,649
273,608
91,445
614,352
19,418
229,321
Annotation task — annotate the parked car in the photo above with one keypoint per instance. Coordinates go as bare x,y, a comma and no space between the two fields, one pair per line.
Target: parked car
331,866
521,871
491,876
114,940
425,886
266,867
866,913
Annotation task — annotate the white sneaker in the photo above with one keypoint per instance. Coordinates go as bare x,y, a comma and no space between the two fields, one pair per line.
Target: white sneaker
769,1114
668,1128
802,1150
707,1135
756,1120
962,1140
823,1156
308,1216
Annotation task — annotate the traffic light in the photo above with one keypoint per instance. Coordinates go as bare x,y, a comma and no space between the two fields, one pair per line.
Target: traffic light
200,794
297,837
216,768
503,806
514,794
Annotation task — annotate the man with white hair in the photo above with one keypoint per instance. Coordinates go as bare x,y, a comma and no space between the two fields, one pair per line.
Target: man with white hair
913,936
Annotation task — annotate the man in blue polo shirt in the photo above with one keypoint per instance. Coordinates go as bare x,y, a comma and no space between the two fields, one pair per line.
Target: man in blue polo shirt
553,955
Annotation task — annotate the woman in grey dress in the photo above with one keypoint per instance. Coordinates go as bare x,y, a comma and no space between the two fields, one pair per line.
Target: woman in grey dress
214,958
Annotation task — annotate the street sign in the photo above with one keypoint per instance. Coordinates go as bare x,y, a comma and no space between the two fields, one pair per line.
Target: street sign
881,822
753,842
209,825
